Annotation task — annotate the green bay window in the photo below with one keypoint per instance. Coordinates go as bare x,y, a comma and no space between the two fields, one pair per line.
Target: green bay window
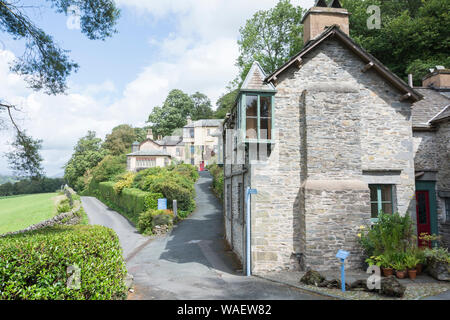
256,116
381,199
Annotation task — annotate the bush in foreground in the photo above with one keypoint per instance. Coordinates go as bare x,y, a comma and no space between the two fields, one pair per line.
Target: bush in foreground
152,218
34,265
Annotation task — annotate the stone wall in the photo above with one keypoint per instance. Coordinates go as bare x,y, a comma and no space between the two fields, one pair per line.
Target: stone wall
443,178
425,150
67,218
335,124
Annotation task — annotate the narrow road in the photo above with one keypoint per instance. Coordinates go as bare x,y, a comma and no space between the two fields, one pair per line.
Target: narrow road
191,262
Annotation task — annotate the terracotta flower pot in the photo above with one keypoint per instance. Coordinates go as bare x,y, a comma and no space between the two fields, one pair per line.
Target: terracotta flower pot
401,274
388,272
419,268
412,273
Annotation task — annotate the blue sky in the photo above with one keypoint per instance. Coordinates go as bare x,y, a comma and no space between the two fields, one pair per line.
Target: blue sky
160,45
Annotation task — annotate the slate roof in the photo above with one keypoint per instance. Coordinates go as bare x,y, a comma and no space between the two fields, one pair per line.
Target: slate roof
441,116
171,141
149,153
205,123
255,79
432,104
335,32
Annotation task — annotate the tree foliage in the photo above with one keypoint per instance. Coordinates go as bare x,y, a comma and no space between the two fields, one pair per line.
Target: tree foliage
30,186
44,64
270,37
175,109
414,34
202,107
120,139
87,154
225,103
25,159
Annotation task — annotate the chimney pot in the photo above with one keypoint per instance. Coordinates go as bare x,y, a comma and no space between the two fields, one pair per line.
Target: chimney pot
150,134
321,16
438,78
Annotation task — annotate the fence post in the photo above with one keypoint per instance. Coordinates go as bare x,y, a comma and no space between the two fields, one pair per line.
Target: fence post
175,208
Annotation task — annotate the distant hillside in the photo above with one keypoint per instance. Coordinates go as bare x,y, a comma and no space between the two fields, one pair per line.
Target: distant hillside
5,179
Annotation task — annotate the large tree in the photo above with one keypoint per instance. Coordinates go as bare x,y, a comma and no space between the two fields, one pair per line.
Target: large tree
414,34
202,107
87,154
120,139
44,65
172,114
270,37
225,103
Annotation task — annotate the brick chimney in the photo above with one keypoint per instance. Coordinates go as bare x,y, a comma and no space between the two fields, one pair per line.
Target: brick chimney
321,16
189,120
150,134
439,78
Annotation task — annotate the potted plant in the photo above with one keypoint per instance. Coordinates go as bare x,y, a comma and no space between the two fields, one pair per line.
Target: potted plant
383,261
399,266
420,255
411,261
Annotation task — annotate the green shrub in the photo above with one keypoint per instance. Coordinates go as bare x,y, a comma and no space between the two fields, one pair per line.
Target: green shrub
151,218
186,170
34,265
109,167
124,181
139,177
151,200
63,206
130,202
173,191
217,184
391,233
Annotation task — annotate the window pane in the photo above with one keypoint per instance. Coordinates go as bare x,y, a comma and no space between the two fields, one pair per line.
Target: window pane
266,106
374,210
386,193
252,128
373,193
266,128
387,208
252,104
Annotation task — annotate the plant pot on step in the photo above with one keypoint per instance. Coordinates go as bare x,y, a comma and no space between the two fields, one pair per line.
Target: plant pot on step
419,268
412,273
401,274
387,272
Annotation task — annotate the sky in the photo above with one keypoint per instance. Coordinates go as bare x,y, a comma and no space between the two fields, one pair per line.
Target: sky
160,45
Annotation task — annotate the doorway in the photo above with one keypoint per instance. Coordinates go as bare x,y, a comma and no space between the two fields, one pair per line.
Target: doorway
426,215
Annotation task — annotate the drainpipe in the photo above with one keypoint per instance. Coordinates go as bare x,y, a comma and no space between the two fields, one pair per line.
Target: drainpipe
248,232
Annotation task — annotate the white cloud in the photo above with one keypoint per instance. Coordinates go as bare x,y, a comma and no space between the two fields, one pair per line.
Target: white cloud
199,55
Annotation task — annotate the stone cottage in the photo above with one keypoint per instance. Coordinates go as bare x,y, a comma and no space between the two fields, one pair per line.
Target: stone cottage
431,131
327,142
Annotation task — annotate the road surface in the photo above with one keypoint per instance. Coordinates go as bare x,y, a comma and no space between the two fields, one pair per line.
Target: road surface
191,262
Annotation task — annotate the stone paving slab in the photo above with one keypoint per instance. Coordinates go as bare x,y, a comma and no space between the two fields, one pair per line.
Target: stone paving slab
422,287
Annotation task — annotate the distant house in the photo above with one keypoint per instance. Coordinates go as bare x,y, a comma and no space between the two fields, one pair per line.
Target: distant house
150,153
201,141
198,146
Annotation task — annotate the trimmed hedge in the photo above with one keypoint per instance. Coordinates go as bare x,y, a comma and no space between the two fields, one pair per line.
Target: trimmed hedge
33,266
130,202
217,184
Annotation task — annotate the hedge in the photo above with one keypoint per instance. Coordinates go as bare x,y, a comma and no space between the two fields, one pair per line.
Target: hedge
130,202
33,266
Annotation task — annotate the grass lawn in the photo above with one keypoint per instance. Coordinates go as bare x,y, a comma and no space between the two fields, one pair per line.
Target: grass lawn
19,212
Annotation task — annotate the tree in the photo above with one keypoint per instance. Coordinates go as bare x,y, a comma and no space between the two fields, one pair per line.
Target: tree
172,114
120,139
87,154
225,103
202,107
25,159
414,34
44,65
270,37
